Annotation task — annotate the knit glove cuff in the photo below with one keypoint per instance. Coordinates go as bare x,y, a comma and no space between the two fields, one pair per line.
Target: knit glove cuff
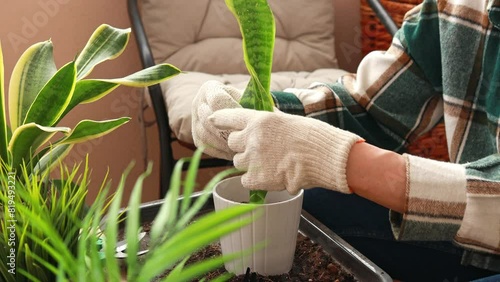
326,161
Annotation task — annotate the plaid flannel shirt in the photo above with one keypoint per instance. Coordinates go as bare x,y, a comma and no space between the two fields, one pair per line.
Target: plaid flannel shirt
444,64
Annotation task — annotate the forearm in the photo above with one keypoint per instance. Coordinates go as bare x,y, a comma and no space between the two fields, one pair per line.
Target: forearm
377,175
427,198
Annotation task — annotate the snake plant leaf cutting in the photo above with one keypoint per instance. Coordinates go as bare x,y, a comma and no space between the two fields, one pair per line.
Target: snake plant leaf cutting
257,26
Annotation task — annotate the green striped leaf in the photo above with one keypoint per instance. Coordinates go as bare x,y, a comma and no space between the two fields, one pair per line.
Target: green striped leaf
106,43
258,31
51,158
89,129
88,90
147,77
258,196
32,71
27,138
54,97
91,90
3,122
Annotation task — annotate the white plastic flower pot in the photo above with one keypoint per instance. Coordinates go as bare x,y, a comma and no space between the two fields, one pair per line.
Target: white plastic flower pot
275,226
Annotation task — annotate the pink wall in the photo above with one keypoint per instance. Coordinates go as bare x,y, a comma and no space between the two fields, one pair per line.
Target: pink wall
348,33
69,23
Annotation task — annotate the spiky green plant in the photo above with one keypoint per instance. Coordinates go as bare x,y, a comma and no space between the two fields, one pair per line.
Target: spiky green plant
40,95
257,26
31,205
49,256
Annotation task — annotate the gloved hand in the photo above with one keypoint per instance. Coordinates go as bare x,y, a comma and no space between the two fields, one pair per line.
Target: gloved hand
281,151
213,96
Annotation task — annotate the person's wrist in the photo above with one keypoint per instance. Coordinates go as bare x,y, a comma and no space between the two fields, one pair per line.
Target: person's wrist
374,173
355,165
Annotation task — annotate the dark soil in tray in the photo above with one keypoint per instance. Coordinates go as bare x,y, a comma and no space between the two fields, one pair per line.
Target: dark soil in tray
311,263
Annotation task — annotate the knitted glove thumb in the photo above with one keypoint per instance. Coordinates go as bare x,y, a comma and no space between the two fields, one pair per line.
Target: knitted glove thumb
213,96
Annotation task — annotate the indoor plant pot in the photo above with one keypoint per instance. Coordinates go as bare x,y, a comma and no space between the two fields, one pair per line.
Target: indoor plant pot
275,225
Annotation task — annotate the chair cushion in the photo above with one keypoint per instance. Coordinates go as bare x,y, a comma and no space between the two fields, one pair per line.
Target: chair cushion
179,91
202,38
203,35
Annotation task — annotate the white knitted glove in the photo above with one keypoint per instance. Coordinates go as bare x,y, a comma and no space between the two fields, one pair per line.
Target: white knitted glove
281,151
213,96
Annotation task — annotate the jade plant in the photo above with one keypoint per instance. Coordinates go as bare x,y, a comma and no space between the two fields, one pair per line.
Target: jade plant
40,96
258,30
55,238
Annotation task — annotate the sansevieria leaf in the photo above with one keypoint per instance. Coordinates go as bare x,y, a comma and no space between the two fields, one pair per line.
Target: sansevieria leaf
146,77
258,30
91,90
3,121
27,138
54,97
51,157
257,196
32,71
106,43
90,129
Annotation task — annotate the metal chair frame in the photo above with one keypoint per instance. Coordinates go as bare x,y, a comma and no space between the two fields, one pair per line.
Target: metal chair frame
167,160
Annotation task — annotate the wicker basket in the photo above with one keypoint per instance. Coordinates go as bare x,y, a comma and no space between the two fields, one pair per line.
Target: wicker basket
431,145
375,37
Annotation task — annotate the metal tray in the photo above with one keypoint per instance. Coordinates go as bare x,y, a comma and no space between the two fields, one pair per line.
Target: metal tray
349,258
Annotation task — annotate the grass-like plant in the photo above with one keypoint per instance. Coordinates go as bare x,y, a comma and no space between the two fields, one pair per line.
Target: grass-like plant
56,241
258,30
35,212
40,95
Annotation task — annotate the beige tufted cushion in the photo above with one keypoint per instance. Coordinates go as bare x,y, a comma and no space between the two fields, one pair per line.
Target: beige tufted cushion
202,37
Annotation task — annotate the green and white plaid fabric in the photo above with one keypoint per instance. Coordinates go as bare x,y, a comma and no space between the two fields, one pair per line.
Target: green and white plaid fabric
444,64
